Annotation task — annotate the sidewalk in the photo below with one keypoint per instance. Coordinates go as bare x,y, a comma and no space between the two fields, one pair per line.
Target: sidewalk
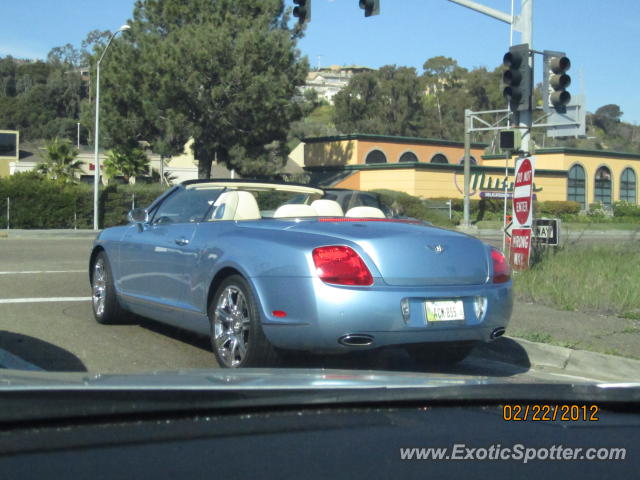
576,330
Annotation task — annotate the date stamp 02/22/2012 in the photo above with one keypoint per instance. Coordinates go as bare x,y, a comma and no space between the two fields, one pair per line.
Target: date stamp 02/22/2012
550,413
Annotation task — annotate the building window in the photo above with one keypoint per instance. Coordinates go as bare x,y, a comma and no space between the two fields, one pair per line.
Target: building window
603,186
472,158
376,156
628,186
576,190
409,157
439,158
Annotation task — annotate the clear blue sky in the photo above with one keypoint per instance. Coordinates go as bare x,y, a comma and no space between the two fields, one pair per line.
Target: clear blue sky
599,36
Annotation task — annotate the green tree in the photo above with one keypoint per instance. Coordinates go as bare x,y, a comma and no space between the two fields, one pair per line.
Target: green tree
388,101
607,118
447,97
60,161
442,75
223,72
128,162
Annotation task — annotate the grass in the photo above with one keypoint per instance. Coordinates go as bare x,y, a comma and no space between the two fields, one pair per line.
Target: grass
602,226
574,227
589,278
540,337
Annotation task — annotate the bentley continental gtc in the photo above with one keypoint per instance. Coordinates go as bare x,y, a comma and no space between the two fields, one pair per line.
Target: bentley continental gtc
264,267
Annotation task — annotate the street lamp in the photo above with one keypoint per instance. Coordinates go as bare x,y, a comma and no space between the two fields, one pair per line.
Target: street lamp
96,172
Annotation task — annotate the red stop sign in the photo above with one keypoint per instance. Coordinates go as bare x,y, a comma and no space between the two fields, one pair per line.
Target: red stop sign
522,192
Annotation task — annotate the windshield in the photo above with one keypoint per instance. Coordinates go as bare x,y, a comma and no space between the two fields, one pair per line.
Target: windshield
408,187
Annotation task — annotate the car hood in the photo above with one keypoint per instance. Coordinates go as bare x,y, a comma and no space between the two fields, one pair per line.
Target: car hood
44,396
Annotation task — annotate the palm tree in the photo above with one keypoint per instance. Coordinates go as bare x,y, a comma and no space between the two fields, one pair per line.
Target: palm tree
60,160
128,162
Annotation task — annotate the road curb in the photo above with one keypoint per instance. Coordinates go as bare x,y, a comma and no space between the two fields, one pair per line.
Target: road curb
524,353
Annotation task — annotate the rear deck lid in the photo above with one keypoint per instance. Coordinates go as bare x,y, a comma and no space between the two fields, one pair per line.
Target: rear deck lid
408,254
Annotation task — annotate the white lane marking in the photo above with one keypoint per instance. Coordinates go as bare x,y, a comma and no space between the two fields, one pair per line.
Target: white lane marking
44,299
42,271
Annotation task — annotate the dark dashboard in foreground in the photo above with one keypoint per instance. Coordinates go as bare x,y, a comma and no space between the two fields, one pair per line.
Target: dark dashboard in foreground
357,441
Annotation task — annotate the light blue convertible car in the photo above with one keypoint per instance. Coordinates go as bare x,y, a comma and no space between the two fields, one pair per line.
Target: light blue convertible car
266,267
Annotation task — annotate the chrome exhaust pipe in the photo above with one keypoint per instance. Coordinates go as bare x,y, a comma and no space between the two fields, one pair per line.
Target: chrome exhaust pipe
356,340
498,332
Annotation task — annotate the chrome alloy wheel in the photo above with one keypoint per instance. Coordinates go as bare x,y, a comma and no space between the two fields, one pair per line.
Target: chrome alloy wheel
231,326
99,288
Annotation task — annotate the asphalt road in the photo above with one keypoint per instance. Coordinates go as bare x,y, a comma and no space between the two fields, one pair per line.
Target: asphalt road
46,319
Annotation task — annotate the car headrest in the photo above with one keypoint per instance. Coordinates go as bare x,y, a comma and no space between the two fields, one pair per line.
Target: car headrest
327,208
236,205
365,212
247,208
294,210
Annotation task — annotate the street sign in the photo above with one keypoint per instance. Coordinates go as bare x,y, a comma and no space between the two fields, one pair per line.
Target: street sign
522,211
508,229
547,230
520,248
494,194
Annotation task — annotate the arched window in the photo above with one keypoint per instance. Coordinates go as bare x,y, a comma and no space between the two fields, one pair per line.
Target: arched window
576,185
628,186
439,158
602,191
409,157
471,157
376,156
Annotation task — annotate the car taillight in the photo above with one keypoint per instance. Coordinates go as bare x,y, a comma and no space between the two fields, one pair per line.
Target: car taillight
501,268
340,265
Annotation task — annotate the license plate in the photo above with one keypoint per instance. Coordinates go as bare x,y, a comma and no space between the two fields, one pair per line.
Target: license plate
444,310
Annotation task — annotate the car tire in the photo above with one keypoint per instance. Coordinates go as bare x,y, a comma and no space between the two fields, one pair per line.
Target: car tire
440,354
237,338
104,300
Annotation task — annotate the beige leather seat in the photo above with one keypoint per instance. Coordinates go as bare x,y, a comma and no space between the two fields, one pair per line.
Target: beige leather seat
364,212
295,211
327,208
236,205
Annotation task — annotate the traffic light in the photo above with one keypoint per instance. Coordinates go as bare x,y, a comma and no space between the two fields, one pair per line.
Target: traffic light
370,7
555,81
302,11
517,79
510,139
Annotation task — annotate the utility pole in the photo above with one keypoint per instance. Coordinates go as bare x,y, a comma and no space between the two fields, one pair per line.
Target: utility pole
522,23
466,221
96,164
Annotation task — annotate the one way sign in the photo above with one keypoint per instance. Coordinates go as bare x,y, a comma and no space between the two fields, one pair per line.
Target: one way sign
546,230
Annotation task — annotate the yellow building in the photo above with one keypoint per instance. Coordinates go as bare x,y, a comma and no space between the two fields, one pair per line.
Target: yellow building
431,168
9,150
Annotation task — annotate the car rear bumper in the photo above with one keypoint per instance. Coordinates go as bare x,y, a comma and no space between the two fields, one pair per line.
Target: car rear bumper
320,316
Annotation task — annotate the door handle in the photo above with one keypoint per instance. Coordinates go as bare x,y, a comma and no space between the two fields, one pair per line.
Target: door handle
182,241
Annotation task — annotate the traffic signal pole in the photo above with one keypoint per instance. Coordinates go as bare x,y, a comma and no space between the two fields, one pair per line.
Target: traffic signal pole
522,23
526,28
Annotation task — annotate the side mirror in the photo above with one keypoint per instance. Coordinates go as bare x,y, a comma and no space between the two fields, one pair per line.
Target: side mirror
138,215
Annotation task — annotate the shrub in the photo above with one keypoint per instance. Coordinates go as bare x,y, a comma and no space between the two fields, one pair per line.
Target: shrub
117,200
626,209
479,209
457,204
597,210
38,202
556,208
411,206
